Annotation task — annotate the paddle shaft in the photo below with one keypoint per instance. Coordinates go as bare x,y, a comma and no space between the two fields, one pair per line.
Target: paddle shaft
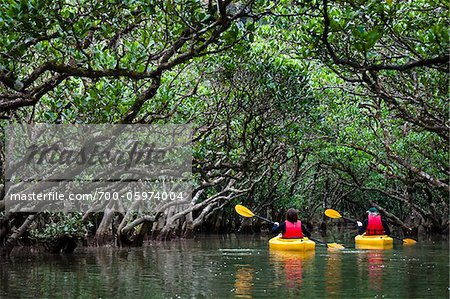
349,219
271,222
405,240
245,212
318,241
264,219
313,239
354,221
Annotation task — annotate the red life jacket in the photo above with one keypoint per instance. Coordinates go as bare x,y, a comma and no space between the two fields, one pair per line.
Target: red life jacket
374,225
293,230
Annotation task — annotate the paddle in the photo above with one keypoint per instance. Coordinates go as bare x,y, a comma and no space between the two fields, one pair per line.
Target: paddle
335,214
329,245
245,212
406,241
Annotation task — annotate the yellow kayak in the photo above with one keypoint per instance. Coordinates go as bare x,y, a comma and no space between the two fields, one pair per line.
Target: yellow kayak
289,255
278,243
374,242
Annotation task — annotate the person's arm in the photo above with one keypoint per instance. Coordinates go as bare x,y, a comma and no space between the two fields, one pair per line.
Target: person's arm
279,228
305,231
363,227
387,231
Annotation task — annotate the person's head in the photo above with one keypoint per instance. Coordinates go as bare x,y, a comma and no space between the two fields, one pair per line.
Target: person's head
291,215
373,211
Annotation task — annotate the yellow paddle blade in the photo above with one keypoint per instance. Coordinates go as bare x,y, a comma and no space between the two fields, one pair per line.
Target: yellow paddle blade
408,241
243,211
335,246
332,213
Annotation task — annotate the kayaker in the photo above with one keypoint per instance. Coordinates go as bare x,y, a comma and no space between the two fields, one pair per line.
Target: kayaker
292,228
374,224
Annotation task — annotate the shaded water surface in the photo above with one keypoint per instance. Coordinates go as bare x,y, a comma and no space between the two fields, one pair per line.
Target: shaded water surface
223,267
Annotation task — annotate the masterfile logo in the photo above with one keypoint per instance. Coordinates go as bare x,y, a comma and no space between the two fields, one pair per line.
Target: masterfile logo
92,167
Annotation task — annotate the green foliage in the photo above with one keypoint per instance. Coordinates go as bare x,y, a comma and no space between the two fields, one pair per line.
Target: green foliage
56,225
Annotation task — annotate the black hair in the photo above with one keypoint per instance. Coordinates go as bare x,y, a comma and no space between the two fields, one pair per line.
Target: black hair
291,215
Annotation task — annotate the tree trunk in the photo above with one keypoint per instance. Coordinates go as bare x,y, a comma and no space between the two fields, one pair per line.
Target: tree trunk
166,231
142,232
104,231
189,227
12,240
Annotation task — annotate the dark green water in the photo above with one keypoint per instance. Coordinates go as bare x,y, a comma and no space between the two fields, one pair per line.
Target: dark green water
222,267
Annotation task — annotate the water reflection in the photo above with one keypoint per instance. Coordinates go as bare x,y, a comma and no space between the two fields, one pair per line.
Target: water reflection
374,261
292,264
244,281
333,274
